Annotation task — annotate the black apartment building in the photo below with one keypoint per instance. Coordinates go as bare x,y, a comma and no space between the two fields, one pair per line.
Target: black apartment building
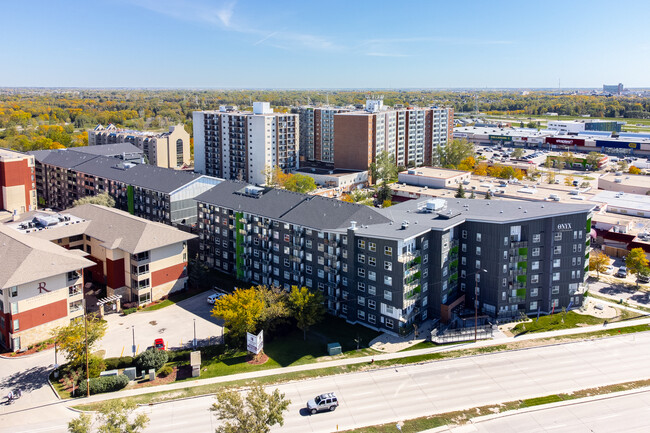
391,268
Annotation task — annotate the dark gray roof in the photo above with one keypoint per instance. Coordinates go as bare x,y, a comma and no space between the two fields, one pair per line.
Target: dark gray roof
115,149
328,213
273,204
165,180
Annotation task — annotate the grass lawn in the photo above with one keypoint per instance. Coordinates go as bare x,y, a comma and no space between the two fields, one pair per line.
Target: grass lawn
173,299
428,345
555,322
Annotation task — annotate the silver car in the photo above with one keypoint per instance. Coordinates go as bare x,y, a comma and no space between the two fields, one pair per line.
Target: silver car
323,402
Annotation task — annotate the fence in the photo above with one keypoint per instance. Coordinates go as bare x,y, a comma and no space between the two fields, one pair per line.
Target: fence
441,336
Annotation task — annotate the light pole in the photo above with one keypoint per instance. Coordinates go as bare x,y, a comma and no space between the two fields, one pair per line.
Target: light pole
476,277
133,346
83,302
194,334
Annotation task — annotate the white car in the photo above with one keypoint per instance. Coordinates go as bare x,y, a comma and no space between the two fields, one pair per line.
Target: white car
213,297
609,270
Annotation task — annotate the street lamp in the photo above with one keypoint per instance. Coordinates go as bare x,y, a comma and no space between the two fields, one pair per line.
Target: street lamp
194,345
133,346
476,277
83,302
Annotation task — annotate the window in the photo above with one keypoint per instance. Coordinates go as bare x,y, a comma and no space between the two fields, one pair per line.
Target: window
425,259
463,260
388,251
361,243
14,308
463,248
463,273
534,278
573,261
372,304
535,252
478,237
344,267
464,234
344,239
321,260
361,272
388,266
425,272
534,292
557,263
372,318
286,263
388,280
389,323
372,290
308,269
286,250
344,309
533,306
372,246
344,281
321,273
478,264
372,261
534,266
505,254
361,300
372,275
425,244
16,325
361,258
308,243
505,241
308,257
478,251
308,282
555,290
557,249
556,302
287,238
287,275
13,291
556,276
361,314
504,282
575,248
557,236
321,247
388,295
537,237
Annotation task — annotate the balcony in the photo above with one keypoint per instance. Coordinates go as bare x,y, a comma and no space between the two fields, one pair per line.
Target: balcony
405,258
521,244
411,271
516,299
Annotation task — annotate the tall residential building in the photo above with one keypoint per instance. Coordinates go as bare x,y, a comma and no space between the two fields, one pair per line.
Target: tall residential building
167,149
232,144
17,182
615,89
391,268
411,135
317,132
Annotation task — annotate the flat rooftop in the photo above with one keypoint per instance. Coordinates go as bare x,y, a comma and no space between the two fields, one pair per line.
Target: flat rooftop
628,179
437,173
324,171
7,154
624,200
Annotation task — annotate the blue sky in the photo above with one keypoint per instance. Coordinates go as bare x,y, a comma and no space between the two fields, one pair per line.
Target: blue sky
325,44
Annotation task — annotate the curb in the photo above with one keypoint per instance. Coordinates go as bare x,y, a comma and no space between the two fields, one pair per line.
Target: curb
26,356
52,387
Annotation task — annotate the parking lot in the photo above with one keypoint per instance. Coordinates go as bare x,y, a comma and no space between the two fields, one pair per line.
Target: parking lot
175,324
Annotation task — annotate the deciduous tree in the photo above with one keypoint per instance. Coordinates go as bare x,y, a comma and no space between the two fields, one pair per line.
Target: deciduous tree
114,416
71,339
242,311
299,183
636,262
102,199
598,261
257,413
306,307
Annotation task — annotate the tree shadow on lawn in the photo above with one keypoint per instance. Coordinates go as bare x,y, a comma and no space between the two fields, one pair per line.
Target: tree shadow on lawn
291,348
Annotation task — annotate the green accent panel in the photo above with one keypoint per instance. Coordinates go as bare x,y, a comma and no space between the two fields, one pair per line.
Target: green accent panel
521,293
129,196
522,265
454,249
523,251
239,226
521,278
588,225
454,264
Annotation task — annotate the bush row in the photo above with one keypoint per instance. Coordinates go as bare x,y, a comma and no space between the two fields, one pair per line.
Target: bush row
103,384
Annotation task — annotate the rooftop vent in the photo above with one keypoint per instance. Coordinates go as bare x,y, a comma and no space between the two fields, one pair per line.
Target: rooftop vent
353,225
405,225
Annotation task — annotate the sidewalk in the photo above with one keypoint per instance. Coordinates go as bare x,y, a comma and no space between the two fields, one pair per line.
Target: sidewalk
349,361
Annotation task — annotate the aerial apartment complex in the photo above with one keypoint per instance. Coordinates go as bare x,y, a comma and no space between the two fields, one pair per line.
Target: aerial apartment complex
391,268
232,144
50,256
17,183
317,132
167,149
155,193
411,135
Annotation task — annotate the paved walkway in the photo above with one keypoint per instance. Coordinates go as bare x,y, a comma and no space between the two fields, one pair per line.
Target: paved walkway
351,361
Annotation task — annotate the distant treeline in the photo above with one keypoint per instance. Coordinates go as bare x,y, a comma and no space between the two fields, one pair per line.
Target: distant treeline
50,118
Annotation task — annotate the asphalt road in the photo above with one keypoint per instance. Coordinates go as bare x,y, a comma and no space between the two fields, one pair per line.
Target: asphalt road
627,413
394,394
175,324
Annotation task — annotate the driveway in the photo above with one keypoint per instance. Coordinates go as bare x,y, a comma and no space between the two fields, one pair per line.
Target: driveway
175,324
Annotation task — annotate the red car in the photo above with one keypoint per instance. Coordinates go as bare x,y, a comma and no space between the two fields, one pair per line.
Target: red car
159,344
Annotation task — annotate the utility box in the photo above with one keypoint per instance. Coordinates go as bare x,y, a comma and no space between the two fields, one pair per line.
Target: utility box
334,349
108,373
130,373
152,374
195,362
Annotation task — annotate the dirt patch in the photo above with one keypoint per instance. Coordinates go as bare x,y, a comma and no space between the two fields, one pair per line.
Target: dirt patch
153,323
258,359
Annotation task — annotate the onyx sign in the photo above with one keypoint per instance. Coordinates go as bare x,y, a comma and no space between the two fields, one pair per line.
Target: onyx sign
564,226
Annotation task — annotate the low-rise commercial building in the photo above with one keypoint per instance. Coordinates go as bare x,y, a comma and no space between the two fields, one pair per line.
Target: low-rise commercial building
433,177
392,268
165,149
17,182
634,205
341,181
624,182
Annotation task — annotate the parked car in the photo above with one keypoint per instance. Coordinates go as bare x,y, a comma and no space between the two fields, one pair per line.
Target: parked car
159,344
622,272
609,270
213,297
327,401
643,278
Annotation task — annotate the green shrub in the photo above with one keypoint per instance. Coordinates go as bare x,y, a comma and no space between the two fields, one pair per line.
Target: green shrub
103,384
151,358
128,311
95,365
178,355
165,371
115,363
